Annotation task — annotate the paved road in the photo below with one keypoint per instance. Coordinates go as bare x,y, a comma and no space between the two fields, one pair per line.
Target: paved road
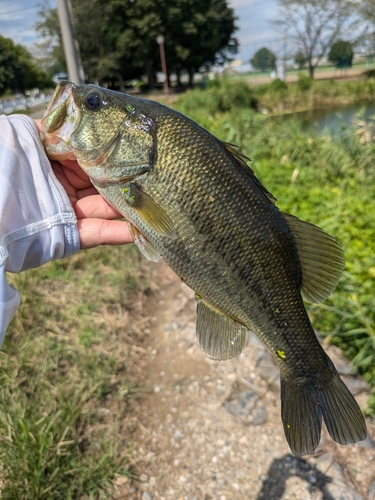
38,113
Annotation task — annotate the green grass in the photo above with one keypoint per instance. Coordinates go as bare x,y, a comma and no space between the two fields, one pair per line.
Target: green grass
328,182
68,375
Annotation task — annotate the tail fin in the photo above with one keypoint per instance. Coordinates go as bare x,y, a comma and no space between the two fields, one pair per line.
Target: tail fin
303,405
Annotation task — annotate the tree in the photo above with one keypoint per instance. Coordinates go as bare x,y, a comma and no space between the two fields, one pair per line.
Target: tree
300,59
118,39
366,10
51,45
314,25
264,60
200,34
18,70
341,54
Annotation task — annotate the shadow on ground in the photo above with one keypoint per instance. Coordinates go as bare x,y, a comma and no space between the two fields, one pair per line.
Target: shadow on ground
281,469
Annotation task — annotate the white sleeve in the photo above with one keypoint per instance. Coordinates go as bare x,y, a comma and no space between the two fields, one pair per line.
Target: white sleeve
37,221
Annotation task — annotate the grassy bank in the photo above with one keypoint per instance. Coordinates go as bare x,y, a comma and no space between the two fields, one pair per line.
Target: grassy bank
277,97
305,94
69,368
330,183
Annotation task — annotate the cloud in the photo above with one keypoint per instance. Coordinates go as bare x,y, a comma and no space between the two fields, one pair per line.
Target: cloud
255,27
237,4
18,18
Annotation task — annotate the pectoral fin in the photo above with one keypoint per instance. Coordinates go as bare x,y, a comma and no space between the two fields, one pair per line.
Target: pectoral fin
220,337
321,257
150,212
143,244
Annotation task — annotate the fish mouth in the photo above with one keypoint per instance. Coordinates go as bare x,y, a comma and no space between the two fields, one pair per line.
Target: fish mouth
59,122
62,124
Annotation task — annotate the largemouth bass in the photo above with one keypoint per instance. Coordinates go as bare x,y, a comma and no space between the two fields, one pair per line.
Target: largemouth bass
193,200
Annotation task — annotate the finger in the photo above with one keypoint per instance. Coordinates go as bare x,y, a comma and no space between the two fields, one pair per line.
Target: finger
38,123
76,177
95,206
94,232
83,193
73,166
61,177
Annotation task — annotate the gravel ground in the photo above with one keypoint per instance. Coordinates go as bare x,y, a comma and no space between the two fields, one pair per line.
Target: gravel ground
212,430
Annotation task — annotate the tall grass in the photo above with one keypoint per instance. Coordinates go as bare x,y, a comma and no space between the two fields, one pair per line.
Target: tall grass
277,97
313,94
329,182
67,375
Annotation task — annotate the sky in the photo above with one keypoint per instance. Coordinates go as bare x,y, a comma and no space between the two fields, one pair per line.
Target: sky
255,26
18,17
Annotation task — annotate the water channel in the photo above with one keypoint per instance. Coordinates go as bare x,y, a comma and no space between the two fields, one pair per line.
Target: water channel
332,119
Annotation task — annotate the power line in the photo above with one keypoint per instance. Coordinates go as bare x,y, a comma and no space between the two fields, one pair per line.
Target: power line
261,42
18,11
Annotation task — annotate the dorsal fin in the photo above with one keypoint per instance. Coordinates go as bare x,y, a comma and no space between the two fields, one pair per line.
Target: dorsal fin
241,161
321,257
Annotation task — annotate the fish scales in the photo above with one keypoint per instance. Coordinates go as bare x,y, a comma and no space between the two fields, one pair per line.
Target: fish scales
240,254
192,200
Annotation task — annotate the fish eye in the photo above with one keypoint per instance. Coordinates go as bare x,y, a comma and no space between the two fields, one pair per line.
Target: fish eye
94,101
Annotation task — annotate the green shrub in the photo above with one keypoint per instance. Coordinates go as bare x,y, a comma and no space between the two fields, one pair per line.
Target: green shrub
305,82
220,96
278,85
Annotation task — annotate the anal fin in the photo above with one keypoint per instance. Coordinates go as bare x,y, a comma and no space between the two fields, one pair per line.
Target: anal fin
219,336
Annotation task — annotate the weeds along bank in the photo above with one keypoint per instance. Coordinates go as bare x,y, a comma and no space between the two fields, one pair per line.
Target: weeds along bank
325,181
221,95
279,97
70,365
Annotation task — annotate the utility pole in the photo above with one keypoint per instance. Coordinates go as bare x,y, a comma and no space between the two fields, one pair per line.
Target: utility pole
71,49
284,58
160,41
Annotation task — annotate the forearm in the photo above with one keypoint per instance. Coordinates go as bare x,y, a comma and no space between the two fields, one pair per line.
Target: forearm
38,222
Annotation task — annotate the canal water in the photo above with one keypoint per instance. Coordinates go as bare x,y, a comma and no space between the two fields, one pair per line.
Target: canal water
332,119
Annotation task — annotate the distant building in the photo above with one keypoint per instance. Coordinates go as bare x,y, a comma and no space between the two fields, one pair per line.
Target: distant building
59,77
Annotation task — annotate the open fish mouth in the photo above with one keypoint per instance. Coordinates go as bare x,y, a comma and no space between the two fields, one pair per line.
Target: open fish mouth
59,122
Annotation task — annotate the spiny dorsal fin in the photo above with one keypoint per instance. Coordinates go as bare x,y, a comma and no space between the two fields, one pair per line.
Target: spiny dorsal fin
220,337
321,257
241,161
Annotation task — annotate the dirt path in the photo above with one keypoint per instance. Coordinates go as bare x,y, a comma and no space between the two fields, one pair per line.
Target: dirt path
212,430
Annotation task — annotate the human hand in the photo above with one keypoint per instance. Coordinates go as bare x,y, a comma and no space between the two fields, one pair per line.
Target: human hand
96,219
